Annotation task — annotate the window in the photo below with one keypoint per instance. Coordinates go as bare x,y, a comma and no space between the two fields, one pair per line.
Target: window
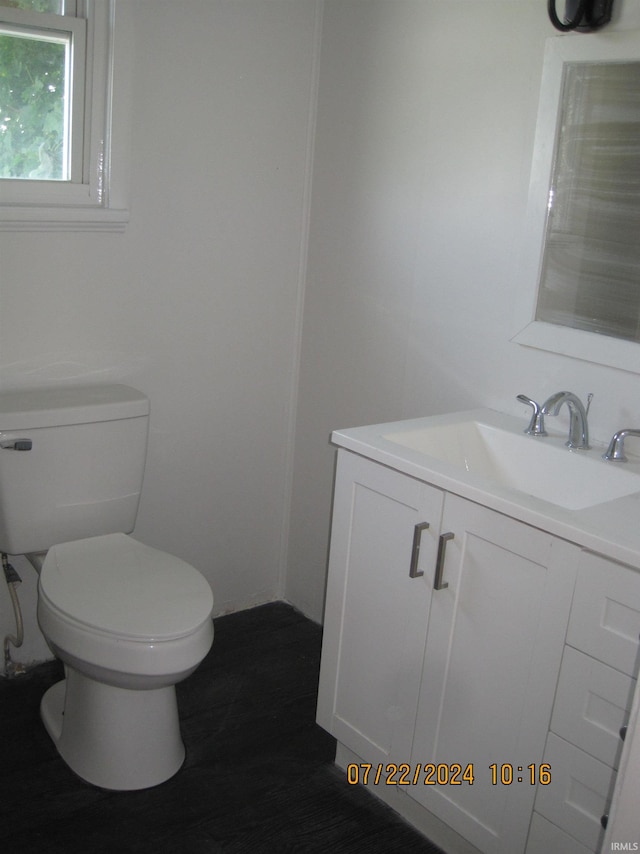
41,82
56,161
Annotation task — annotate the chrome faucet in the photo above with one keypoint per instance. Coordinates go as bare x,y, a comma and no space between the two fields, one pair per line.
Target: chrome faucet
536,425
578,427
615,451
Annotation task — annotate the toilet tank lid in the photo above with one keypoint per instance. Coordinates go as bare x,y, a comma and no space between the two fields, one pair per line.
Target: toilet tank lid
57,406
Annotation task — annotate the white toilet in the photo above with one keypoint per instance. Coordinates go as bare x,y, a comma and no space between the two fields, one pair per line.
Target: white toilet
128,621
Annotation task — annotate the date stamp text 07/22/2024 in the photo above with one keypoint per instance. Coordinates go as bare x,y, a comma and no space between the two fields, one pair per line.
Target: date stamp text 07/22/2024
446,774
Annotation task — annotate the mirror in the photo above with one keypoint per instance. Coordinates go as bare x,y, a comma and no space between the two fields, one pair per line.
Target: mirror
590,275
582,253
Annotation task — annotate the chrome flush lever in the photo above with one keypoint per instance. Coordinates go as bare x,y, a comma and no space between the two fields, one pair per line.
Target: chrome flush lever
16,444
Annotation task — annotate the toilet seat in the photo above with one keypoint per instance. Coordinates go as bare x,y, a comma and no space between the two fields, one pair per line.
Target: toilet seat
115,585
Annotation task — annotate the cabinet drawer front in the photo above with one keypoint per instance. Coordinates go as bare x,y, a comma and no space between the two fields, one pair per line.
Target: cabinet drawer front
605,617
579,793
546,838
592,704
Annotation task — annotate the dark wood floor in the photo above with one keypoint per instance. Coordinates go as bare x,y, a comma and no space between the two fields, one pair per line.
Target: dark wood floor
258,777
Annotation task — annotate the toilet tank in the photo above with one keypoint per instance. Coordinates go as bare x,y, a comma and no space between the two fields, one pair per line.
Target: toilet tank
71,464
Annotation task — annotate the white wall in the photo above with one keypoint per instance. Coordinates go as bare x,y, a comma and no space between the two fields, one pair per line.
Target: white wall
425,126
426,117
197,303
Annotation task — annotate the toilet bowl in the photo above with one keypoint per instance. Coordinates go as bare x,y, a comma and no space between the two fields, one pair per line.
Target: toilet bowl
129,622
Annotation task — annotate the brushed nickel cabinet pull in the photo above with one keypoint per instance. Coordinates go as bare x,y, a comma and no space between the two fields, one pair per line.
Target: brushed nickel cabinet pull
414,572
438,583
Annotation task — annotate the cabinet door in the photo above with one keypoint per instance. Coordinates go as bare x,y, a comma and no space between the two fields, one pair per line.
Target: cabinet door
493,653
376,615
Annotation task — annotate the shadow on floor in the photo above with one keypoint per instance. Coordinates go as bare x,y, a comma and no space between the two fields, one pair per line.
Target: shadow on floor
258,777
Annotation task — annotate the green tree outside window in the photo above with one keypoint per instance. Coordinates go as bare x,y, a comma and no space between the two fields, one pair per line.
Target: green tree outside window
32,102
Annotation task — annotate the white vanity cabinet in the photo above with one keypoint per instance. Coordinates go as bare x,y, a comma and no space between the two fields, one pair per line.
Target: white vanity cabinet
464,675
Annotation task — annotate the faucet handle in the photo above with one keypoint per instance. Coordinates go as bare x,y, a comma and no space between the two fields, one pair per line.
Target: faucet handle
615,452
536,425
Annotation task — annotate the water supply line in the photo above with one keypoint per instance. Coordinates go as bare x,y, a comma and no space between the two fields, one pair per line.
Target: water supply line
13,579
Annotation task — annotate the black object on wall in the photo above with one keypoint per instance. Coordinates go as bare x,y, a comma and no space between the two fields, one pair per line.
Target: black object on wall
584,16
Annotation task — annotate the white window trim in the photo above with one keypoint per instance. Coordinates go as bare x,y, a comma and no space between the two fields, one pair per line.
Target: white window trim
99,202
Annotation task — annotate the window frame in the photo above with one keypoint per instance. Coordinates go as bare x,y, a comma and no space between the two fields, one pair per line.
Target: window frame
95,197
39,25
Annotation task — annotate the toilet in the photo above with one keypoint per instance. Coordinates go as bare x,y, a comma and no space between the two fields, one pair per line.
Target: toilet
128,621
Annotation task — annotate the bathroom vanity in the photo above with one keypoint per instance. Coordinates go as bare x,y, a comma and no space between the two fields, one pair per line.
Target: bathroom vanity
481,629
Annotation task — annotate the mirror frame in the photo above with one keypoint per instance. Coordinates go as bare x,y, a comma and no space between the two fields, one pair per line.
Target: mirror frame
588,346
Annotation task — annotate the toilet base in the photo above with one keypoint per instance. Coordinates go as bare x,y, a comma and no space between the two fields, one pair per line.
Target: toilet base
114,738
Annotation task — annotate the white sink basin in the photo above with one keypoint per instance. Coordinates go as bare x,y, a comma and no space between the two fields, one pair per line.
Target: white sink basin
537,466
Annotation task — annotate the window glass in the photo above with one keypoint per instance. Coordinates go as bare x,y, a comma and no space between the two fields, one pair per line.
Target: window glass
34,121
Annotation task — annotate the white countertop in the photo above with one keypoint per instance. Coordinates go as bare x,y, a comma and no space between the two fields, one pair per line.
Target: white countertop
611,528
